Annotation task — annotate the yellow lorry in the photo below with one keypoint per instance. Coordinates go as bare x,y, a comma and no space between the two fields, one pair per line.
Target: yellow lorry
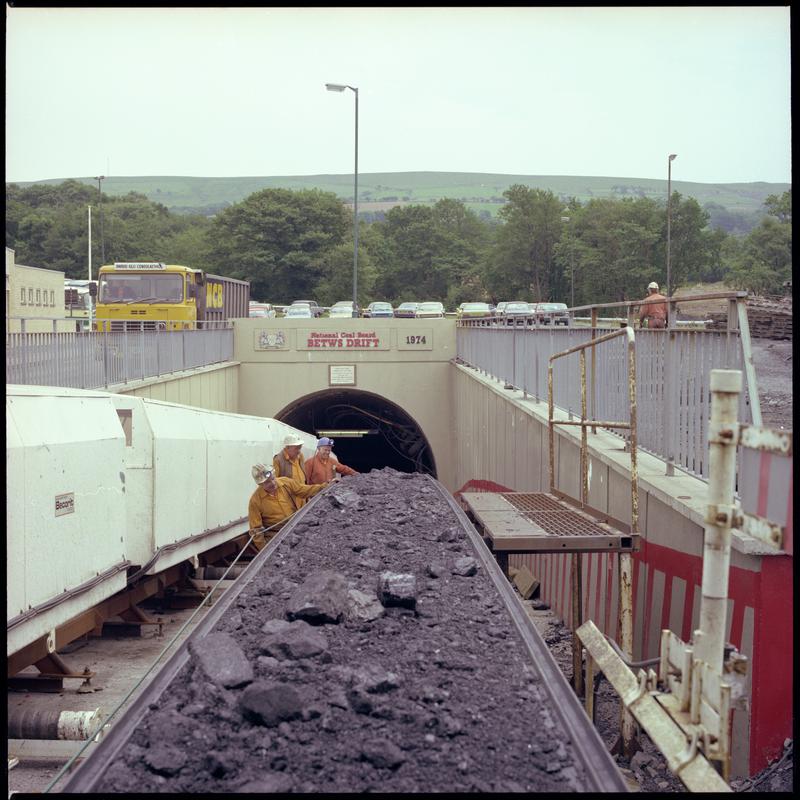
150,295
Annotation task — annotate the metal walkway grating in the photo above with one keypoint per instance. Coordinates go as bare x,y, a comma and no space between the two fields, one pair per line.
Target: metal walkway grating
553,517
536,522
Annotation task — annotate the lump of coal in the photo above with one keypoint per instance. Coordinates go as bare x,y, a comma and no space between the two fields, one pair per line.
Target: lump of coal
292,640
465,566
434,570
395,589
383,754
164,760
269,704
363,607
222,660
342,498
320,599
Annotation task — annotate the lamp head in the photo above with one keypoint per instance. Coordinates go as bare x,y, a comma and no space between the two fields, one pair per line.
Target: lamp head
335,87
673,156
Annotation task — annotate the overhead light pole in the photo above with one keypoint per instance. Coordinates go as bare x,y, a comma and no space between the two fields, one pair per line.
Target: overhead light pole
571,265
339,87
100,178
669,217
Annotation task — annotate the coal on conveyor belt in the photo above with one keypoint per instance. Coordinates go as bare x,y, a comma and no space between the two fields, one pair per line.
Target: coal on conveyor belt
370,652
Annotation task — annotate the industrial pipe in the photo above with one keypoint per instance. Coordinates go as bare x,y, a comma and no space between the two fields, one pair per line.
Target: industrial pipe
39,724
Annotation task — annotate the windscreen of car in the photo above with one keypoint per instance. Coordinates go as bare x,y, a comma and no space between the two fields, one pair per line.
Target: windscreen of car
475,307
382,307
407,305
524,307
430,307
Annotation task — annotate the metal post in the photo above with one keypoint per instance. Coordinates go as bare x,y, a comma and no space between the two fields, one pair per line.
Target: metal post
669,219
747,360
709,639
100,178
628,736
355,218
671,388
594,407
577,660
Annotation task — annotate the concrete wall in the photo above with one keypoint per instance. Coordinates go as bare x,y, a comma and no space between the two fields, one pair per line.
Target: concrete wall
405,361
215,387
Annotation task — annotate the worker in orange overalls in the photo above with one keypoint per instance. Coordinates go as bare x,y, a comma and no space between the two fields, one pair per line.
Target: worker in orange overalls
324,466
653,314
274,501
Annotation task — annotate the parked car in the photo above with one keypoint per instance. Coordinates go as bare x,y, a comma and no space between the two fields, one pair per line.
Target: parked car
429,310
552,312
343,310
379,309
299,311
316,310
498,312
264,310
406,310
517,313
473,310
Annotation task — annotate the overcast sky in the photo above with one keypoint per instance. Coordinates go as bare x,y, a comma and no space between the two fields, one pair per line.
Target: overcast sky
528,91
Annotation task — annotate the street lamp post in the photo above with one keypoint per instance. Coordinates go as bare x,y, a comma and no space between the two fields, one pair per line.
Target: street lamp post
100,178
669,218
338,87
571,269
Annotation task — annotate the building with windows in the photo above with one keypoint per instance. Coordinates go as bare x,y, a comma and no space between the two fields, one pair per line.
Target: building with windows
36,296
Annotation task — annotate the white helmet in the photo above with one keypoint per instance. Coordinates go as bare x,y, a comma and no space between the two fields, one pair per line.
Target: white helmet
261,473
291,439
652,285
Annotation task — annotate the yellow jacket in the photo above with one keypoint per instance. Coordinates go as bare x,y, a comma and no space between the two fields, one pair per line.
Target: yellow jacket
265,509
279,464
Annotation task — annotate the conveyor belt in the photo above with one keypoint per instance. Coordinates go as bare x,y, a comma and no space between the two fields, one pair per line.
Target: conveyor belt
474,702
538,522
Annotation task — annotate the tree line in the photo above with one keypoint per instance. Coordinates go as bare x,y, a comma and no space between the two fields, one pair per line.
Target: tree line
292,244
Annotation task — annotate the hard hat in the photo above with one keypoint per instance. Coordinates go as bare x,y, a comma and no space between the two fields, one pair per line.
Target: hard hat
291,439
324,441
652,285
261,473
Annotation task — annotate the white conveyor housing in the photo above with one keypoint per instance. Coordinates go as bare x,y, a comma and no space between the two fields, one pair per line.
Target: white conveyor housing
100,485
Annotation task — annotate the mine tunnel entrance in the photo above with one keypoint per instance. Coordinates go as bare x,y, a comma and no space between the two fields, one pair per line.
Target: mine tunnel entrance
369,431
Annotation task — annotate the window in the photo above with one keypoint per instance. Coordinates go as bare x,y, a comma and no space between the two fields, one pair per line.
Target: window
30,296
22,296
38,297
52,298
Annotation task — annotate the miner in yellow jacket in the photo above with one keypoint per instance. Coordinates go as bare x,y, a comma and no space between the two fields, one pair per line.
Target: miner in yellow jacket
274,501
289,463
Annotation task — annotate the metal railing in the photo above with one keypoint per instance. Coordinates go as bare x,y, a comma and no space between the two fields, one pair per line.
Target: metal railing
92,359
673,368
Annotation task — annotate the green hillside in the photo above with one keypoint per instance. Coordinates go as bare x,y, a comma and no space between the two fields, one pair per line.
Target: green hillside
480,191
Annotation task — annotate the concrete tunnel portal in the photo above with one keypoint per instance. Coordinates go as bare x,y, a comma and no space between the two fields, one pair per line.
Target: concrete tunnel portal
369,431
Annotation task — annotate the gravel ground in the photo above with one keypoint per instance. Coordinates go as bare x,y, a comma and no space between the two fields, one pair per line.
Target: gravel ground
773,363
371,653
647,771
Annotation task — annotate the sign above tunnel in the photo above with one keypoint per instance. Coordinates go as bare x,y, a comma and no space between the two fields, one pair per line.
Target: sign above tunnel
367,339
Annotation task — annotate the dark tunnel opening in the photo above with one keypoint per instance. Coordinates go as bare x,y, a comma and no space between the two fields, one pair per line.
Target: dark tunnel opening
390,436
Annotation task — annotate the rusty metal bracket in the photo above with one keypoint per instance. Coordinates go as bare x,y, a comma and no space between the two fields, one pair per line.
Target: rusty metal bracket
760,528
768,440
723,433
723,516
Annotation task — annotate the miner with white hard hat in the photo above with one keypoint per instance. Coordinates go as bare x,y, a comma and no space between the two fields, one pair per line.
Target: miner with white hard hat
652,313
274,501
289,462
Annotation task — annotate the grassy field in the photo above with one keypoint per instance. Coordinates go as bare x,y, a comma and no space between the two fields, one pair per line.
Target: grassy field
479,191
